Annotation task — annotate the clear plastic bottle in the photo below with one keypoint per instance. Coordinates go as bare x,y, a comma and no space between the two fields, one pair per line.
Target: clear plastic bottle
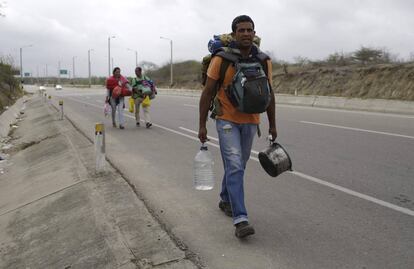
203,169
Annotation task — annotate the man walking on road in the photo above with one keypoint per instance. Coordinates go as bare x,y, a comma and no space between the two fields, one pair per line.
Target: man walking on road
236,129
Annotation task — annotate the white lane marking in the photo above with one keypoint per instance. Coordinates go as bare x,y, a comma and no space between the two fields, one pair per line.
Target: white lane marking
190,105
157,125
354,193
336,187
299,174
381,114
357,129
371,113
211,137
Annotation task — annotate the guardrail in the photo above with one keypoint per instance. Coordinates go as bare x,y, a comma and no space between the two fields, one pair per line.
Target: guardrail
373,105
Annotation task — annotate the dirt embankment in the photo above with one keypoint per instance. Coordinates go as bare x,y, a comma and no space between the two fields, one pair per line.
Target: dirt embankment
394,81
9,87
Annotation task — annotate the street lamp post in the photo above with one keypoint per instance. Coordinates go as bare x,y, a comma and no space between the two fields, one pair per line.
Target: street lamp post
136,56
89,66
46,76
171,61
109,54
73,66
58,72
21,61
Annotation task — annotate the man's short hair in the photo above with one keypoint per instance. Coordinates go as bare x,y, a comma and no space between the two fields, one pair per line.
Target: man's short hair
239,19
138,68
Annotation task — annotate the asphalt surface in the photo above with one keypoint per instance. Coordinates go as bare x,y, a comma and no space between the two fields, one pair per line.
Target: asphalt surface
349,203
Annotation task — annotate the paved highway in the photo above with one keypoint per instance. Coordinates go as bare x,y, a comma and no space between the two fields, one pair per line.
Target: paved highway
349,203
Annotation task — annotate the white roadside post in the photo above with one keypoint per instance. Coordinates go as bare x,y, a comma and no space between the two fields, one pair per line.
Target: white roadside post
50,99
61,109
100,147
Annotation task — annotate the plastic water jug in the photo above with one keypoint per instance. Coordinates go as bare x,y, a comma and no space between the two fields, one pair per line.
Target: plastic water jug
203,169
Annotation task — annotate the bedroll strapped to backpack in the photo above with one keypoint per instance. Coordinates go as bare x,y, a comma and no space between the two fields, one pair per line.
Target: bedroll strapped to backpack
217,44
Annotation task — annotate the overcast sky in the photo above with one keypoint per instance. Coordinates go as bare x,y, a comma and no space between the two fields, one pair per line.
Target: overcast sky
60,30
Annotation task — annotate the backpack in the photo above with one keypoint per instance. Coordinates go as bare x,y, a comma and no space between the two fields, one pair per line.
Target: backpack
249,91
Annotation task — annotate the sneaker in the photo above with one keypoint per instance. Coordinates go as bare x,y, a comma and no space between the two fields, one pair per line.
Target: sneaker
121,127
137,123
226,208
148,125
243,229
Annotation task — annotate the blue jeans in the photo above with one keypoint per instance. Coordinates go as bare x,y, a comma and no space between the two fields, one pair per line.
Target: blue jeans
235,145
120,108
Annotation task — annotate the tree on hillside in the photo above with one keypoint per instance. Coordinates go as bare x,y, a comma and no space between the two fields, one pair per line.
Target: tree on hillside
148,65
367,55
411,57
301,60
340,59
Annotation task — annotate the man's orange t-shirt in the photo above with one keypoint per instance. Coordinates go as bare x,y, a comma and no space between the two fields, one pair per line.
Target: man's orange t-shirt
230,113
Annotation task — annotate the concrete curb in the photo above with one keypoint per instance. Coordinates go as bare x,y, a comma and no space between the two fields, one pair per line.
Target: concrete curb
9,116
373,105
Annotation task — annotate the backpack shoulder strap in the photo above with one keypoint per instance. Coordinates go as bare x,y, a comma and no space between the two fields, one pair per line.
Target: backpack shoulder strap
263,57
229,56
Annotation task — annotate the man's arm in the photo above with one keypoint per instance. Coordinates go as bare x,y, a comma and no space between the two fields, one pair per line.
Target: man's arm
205,101
271,109
271,115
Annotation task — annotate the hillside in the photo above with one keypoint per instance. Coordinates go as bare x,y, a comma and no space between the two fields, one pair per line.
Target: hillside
383,81
391,81
9,87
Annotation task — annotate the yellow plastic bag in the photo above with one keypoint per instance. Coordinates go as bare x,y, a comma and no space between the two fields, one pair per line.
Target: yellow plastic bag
146,102
131,105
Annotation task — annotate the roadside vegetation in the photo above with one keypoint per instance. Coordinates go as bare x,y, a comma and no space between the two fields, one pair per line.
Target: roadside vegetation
10,89
364,73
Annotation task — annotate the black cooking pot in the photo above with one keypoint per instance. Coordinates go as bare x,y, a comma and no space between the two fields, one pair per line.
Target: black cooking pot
275,160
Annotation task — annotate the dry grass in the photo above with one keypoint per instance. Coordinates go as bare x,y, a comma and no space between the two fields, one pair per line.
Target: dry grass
384,81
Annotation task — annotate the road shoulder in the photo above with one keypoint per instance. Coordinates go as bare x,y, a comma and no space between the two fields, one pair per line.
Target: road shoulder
56,212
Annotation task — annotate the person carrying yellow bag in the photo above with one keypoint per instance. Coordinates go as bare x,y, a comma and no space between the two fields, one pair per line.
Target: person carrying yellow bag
141,93
146,102
131,103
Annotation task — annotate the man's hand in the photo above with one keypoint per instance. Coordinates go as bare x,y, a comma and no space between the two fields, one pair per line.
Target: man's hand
202,134
273,133
205,100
